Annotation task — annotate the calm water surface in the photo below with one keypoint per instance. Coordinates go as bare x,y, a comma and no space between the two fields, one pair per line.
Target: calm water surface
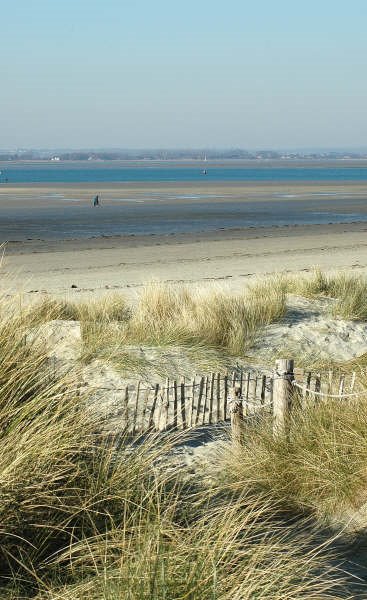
107,172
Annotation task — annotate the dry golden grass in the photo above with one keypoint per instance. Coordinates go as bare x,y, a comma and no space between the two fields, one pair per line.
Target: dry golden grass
111,307
321,469
348,290
215,318
242,550
85,517
212,324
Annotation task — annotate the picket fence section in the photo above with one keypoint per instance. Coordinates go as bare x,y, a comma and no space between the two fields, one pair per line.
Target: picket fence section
184,404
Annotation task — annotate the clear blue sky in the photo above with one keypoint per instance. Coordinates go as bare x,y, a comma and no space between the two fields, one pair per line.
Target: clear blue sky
169,73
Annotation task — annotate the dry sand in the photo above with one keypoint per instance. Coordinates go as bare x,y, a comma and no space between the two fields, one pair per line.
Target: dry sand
98,266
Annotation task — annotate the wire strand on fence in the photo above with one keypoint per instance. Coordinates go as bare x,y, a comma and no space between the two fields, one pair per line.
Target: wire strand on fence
316,393
204,401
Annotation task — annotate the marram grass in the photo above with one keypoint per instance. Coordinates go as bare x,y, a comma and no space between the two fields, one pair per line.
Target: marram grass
321,469
88,517
348,290
215,318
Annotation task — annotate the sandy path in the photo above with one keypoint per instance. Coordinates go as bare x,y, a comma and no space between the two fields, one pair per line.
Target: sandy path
96,266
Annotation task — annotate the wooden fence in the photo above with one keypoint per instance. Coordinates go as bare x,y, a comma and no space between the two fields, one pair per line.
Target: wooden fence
210,400
192,403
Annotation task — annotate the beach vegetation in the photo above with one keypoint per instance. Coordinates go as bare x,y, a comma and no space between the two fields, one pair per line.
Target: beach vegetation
320,470
112,307
348,290
88,515
209,325
216,318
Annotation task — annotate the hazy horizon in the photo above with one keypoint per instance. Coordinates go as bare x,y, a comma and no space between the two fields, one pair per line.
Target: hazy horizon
182,148
143,75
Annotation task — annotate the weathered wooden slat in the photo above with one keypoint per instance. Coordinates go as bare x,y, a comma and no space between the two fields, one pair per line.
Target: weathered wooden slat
234,378
271,391
307,386
126,407
236,410
263,389
183,404
211,399
163,421
225,398
136,408
191,404
175,404
283,393
218,399
317,386
200,396
341,384
145,406
254,393
152,420
246,394
206,392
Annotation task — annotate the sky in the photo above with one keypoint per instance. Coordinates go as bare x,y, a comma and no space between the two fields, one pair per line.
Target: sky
180,74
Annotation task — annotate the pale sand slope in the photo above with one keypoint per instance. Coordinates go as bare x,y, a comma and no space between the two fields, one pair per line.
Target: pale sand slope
97,266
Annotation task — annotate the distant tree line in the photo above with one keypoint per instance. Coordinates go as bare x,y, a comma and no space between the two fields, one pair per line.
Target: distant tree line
167,154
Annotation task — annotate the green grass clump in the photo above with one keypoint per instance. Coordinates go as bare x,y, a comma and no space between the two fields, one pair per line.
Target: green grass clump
180,316
351,294
237,551
321,469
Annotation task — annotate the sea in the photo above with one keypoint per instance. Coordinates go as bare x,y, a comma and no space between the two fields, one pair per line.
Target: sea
160,172
182,199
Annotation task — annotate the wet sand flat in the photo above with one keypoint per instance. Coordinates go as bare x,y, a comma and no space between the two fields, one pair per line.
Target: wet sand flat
62,211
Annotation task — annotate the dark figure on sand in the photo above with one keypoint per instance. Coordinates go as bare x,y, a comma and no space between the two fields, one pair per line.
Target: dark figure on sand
96,200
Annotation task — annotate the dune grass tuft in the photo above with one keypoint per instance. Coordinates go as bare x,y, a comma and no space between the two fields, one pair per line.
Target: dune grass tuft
351,297
113,307
89,517
321,469
167,314
236,551
314,284
215,318
347,289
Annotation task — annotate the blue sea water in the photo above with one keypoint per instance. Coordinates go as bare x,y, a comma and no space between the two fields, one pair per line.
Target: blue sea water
109,172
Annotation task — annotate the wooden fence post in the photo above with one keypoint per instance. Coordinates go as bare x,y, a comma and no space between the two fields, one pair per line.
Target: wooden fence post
236,410
164,407
282,395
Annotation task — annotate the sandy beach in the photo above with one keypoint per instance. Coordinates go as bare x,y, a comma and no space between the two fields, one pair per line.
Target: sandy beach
37,262
231,257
